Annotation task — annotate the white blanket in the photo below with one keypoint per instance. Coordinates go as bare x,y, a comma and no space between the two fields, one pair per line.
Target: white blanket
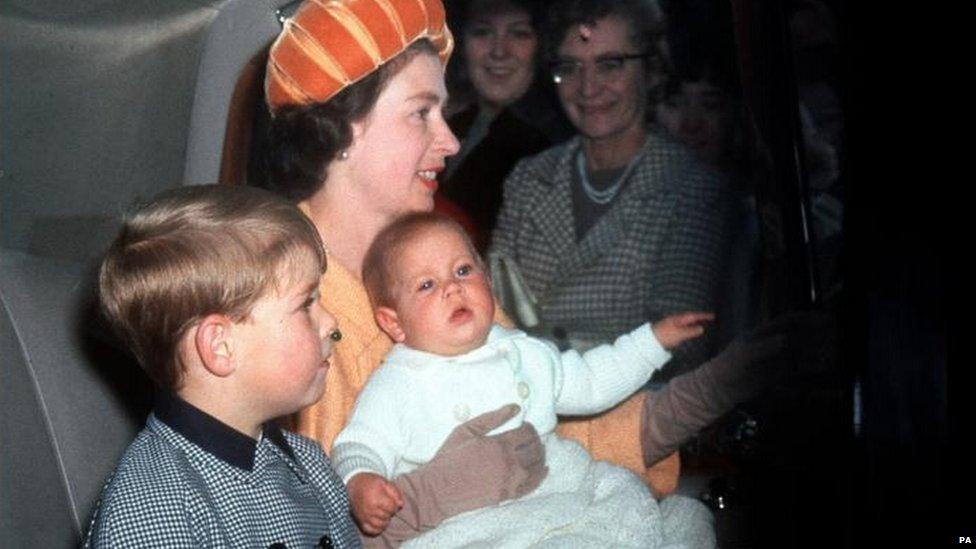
581,503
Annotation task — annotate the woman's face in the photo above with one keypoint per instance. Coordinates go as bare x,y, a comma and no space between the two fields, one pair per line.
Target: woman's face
500,48
605,96
399,148
697,115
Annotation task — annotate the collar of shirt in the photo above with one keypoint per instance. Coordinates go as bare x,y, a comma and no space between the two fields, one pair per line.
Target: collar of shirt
403,354
213,435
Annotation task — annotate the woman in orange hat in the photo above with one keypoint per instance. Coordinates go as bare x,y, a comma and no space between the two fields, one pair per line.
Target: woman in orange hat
357,138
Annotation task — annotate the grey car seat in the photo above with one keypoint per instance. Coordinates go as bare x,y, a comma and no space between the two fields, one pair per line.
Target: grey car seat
103,104
69,402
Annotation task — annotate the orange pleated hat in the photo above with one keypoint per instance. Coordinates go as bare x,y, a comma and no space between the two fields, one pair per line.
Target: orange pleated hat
329,44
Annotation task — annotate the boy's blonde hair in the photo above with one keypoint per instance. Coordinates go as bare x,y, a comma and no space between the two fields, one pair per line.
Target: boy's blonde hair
379,264
195,251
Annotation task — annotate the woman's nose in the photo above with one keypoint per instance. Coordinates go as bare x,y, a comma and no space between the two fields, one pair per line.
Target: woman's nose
499,47
446,142
590,81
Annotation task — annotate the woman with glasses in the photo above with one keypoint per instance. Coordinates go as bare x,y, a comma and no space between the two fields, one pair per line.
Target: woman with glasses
619,225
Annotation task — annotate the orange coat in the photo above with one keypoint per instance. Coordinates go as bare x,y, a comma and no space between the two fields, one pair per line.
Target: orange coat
612,436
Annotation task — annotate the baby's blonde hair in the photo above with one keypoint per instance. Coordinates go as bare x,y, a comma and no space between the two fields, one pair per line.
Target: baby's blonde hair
379,264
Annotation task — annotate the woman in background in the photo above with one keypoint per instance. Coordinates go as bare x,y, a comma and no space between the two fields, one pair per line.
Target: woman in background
510,110
619,225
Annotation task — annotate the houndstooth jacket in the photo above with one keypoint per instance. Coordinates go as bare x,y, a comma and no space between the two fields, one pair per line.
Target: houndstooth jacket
658,250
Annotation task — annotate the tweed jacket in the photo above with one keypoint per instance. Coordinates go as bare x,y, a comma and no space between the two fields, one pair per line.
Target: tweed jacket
658,250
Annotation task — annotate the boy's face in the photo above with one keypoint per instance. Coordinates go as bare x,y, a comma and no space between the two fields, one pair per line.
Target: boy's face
442,296
286,343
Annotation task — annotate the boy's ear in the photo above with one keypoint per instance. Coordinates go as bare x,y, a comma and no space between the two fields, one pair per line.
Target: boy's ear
390,323
214,344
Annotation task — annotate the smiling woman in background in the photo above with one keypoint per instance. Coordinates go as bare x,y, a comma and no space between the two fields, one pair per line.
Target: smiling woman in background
620,225
511,110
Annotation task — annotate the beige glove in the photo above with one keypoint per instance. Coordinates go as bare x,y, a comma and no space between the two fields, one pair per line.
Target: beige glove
693,400
469,471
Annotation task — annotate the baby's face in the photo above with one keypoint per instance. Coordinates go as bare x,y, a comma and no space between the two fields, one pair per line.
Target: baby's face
443,300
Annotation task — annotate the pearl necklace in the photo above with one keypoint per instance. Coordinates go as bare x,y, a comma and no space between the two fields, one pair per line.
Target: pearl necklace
603,196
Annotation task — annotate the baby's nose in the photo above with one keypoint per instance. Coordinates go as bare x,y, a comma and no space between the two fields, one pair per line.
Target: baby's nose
453,287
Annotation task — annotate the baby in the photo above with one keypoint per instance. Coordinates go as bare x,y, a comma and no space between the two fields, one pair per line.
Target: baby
432,295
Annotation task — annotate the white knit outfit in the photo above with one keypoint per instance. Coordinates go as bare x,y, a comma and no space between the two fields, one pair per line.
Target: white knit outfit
413,402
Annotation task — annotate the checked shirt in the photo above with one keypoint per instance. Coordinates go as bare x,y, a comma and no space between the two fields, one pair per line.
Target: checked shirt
189,480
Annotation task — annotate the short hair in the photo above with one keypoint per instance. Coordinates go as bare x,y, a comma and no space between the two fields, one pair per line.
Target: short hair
378,265
644,17
194,251
303,140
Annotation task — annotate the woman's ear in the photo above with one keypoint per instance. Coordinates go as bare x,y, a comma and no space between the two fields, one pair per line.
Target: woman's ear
390,323
214,345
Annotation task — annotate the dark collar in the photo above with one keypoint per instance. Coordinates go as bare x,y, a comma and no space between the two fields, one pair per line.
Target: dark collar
213,435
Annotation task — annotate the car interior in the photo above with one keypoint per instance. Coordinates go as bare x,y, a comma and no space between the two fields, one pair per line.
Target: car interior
105,103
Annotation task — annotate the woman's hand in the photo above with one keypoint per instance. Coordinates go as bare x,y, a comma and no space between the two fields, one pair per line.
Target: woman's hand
748,365
374,501
471,470
674,330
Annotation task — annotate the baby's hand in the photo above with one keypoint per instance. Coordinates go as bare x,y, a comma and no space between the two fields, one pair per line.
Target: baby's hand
374,502
674,330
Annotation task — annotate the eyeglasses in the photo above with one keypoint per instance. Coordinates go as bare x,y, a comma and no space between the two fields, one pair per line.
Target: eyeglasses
607,68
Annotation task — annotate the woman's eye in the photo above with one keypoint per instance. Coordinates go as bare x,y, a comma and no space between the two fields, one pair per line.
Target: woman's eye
609,64
307,304
479,31
464,270
523,34
423,113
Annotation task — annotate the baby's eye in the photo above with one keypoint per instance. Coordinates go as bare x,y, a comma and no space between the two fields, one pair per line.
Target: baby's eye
464,270
425,285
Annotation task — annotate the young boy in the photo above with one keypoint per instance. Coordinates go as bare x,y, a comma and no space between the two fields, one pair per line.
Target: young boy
431,294
214,288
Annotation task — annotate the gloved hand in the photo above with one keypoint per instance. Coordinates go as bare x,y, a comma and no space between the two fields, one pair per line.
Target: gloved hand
470,471
749,364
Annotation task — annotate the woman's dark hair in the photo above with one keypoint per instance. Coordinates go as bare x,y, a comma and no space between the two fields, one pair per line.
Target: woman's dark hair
464,13
643,16
303,140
